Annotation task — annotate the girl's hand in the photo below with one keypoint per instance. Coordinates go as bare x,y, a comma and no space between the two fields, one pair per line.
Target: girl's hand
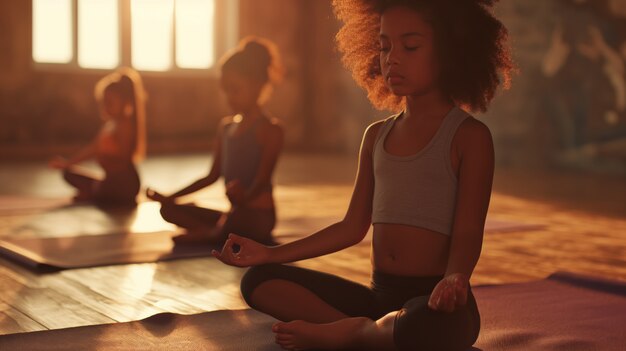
250,252
156,196
58,162
235,192
450,293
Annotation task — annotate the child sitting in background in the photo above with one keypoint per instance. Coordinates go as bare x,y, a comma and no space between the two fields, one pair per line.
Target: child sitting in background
245,153
117,147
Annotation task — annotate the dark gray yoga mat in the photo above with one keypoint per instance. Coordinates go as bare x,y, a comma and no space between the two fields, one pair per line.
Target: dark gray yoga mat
97,250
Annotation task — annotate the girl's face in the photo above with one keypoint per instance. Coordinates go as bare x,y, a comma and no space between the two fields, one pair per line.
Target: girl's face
407,52
241,92
113,104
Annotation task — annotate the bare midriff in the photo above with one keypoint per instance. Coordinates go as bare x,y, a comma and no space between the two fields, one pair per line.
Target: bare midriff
409,251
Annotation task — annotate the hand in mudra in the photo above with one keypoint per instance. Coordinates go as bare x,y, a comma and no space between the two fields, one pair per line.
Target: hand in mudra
450,293
247,253
156,196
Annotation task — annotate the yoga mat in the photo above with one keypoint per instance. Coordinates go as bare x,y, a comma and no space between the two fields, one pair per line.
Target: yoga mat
97,250
15,204
244,330
564,312
85,219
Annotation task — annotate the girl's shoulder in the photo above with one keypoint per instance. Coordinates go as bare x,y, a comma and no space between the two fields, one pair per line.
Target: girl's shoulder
473,134
473,128
273,122
373,131
272,128
227,121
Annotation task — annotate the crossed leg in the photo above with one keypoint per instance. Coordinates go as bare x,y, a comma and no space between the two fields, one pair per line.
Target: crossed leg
309,319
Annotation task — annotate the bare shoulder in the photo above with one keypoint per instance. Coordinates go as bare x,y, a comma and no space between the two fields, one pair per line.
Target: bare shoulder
225,122
271,132
371,133
473,134
273,127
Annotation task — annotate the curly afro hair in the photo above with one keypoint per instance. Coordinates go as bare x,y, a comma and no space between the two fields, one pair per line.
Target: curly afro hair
471,45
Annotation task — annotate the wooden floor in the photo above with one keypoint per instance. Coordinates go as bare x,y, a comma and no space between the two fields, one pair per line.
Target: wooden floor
583,218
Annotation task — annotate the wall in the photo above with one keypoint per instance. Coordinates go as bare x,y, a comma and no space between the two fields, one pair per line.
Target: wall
567,106
538,122
44,110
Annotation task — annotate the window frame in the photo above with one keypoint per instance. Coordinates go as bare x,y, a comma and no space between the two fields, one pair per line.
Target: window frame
226,21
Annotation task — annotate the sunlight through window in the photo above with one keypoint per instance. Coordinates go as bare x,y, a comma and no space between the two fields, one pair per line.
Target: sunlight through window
52,31
151,34
98,33
105,34
194,33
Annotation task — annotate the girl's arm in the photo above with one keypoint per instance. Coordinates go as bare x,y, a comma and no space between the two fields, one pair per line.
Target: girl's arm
86,153
213,175
350,231
272,145
476,169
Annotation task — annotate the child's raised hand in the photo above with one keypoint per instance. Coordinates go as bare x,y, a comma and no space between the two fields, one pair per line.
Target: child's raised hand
250,252
58,162
450,293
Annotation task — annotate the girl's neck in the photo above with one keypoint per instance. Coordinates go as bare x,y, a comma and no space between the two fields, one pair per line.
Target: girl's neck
427,106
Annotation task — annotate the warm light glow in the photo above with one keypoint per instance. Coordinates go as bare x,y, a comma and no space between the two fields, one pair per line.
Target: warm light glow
149,220
98,33
194,33
152,34
52,31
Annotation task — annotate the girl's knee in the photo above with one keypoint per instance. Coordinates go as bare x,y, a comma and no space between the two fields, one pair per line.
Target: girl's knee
69,176
418,327
167,211
254,277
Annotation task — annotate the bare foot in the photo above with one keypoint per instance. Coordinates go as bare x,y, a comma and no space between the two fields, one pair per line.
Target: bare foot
301,335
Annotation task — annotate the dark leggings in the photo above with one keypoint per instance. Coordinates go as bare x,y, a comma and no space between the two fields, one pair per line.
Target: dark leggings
416,327
116,189
256,224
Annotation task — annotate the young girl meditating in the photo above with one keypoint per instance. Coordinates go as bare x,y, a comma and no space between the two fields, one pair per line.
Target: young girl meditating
423,181
246,150
117,147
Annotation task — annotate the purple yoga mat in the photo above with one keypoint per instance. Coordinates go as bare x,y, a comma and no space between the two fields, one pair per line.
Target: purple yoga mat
564,312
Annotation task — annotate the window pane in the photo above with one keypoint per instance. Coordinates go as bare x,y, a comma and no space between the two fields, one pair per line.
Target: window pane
52,31
152,34
194,33
98,33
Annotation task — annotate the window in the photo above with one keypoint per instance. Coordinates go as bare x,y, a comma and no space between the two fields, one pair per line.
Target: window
151,39
52,31
98,34
149,35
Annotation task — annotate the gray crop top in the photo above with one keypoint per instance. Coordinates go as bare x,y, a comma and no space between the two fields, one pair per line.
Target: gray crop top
417,190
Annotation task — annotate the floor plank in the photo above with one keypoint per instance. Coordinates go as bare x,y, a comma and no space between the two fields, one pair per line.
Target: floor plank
582,232
14,321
